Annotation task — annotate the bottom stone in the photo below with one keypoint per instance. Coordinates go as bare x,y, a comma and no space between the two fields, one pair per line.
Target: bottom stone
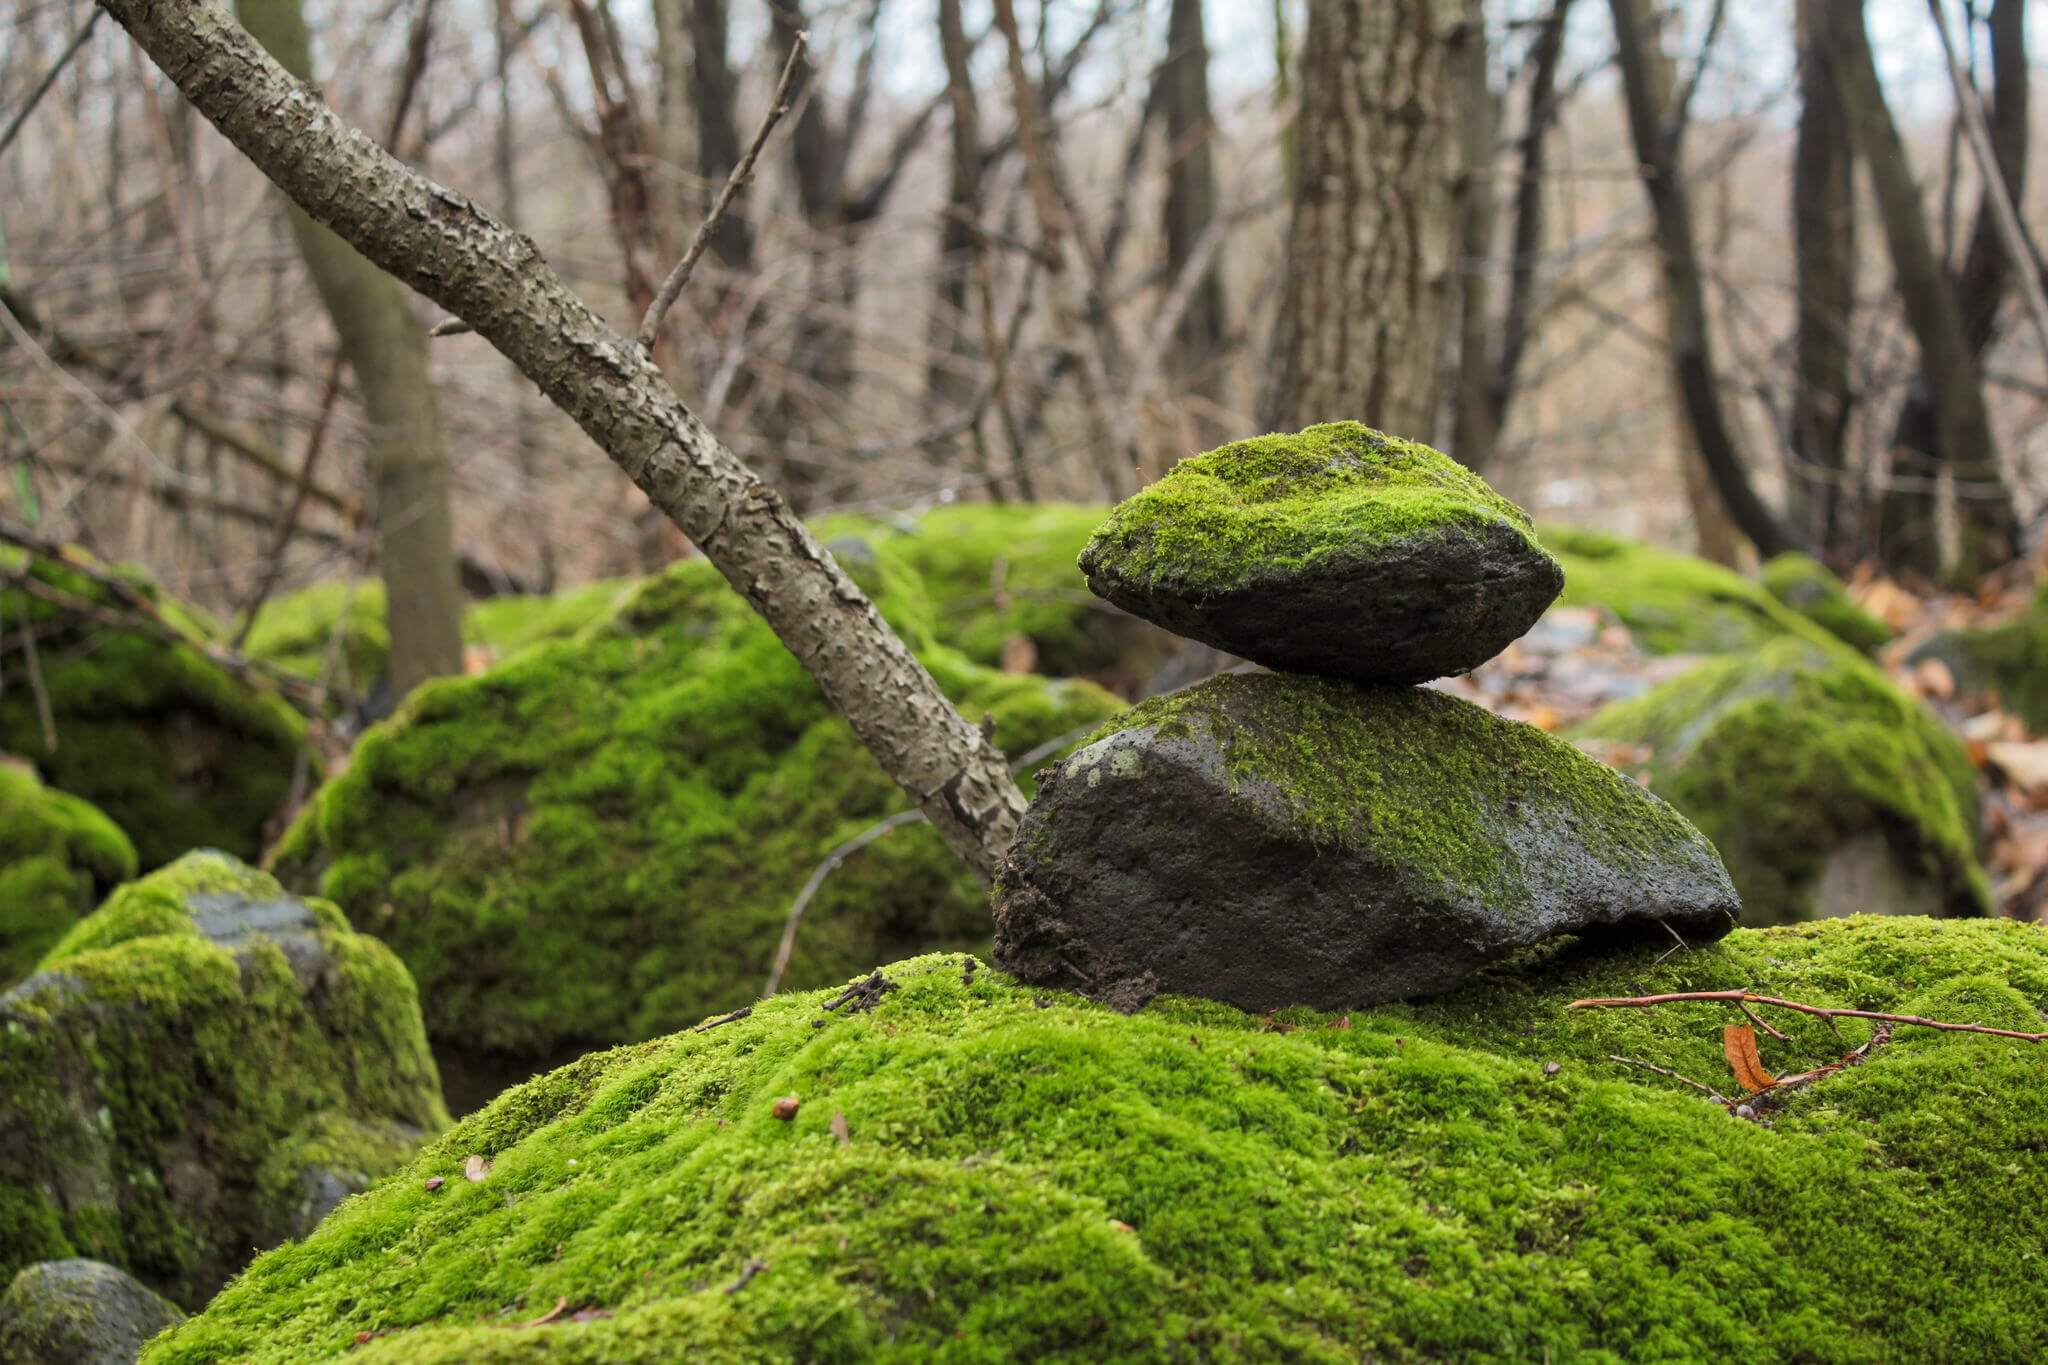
1271,839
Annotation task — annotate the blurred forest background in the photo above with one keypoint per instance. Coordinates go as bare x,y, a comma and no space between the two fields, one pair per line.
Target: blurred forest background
1724,277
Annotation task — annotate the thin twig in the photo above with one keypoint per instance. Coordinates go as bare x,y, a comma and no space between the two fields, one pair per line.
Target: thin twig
1707,1090
288,520
35,96
672,287
817,879
1743,999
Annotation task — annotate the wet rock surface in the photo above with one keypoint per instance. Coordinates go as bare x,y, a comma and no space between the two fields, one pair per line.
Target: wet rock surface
1269,840
79,1312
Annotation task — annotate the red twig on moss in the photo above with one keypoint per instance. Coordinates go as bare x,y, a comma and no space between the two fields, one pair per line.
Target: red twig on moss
1743,999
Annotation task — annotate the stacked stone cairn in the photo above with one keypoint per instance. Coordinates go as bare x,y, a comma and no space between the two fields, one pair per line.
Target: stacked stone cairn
1329,833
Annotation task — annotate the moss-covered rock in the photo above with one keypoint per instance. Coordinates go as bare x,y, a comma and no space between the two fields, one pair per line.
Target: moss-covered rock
599,840
2008,661
58,856
1020,1175
296,631
1672,603
1810,588
79,1312
1337,550
179,752
1271,839
200,1068
1821,783
998,573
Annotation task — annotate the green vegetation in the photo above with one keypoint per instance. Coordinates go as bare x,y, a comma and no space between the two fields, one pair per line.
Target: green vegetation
58,856
1810,588
996,572
1672,603
599,841
166,1094
1448,766
296,631
1785,753
1025,1175
1220,521
2008,660
174,749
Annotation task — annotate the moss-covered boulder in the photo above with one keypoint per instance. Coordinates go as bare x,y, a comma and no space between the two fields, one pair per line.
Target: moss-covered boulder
202,1067
297,631
999,574
1826,788
600,840
179,752
79,1312
1337,550
1810,588
980,1170
1271,839
1672,603
58,856
2008,661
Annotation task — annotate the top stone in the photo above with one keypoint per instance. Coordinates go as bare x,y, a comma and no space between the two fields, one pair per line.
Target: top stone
1340,551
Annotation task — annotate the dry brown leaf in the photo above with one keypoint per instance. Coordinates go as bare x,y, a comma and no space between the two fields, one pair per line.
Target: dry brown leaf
2025,765
1738,1045
561,1307
1121,1226
476,1168
1019,655
1544,717
839,1129
786,1107
432,1183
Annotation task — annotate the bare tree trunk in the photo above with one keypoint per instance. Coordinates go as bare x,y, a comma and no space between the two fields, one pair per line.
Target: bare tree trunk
947,381
1191,196
1473,433
495,279
1909,511
387,350
1545,54
1824,238
1360,312
1657,122
505,155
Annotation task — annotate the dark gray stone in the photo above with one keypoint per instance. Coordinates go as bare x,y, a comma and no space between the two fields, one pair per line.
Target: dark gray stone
79,1313
1269,840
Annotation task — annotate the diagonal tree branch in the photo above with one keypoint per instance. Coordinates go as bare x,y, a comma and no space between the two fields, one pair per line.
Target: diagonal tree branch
495,279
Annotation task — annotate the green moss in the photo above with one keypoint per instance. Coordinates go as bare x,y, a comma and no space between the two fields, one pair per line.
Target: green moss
1810,588
505,625
1027,1176
58,856
1672,603
1225,519
296,631
994,573
599,840
162,1095
174,749
1419,785
2008,661
1784,754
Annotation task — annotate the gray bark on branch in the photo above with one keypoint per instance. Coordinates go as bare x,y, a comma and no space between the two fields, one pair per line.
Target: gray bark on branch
495,279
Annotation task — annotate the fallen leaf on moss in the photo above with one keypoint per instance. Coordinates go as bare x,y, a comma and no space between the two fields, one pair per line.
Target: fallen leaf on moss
786,1107
1738,1045
432,1183
476,1168
561,1307
839,1128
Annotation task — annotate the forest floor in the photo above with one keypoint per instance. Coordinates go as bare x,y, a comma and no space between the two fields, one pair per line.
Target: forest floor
1578,659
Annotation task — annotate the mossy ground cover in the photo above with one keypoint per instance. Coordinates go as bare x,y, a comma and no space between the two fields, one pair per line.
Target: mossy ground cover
1024,1175
1672,603
1282,503
58,856
163,1095
1810,588
1783,753
174,749
598,840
